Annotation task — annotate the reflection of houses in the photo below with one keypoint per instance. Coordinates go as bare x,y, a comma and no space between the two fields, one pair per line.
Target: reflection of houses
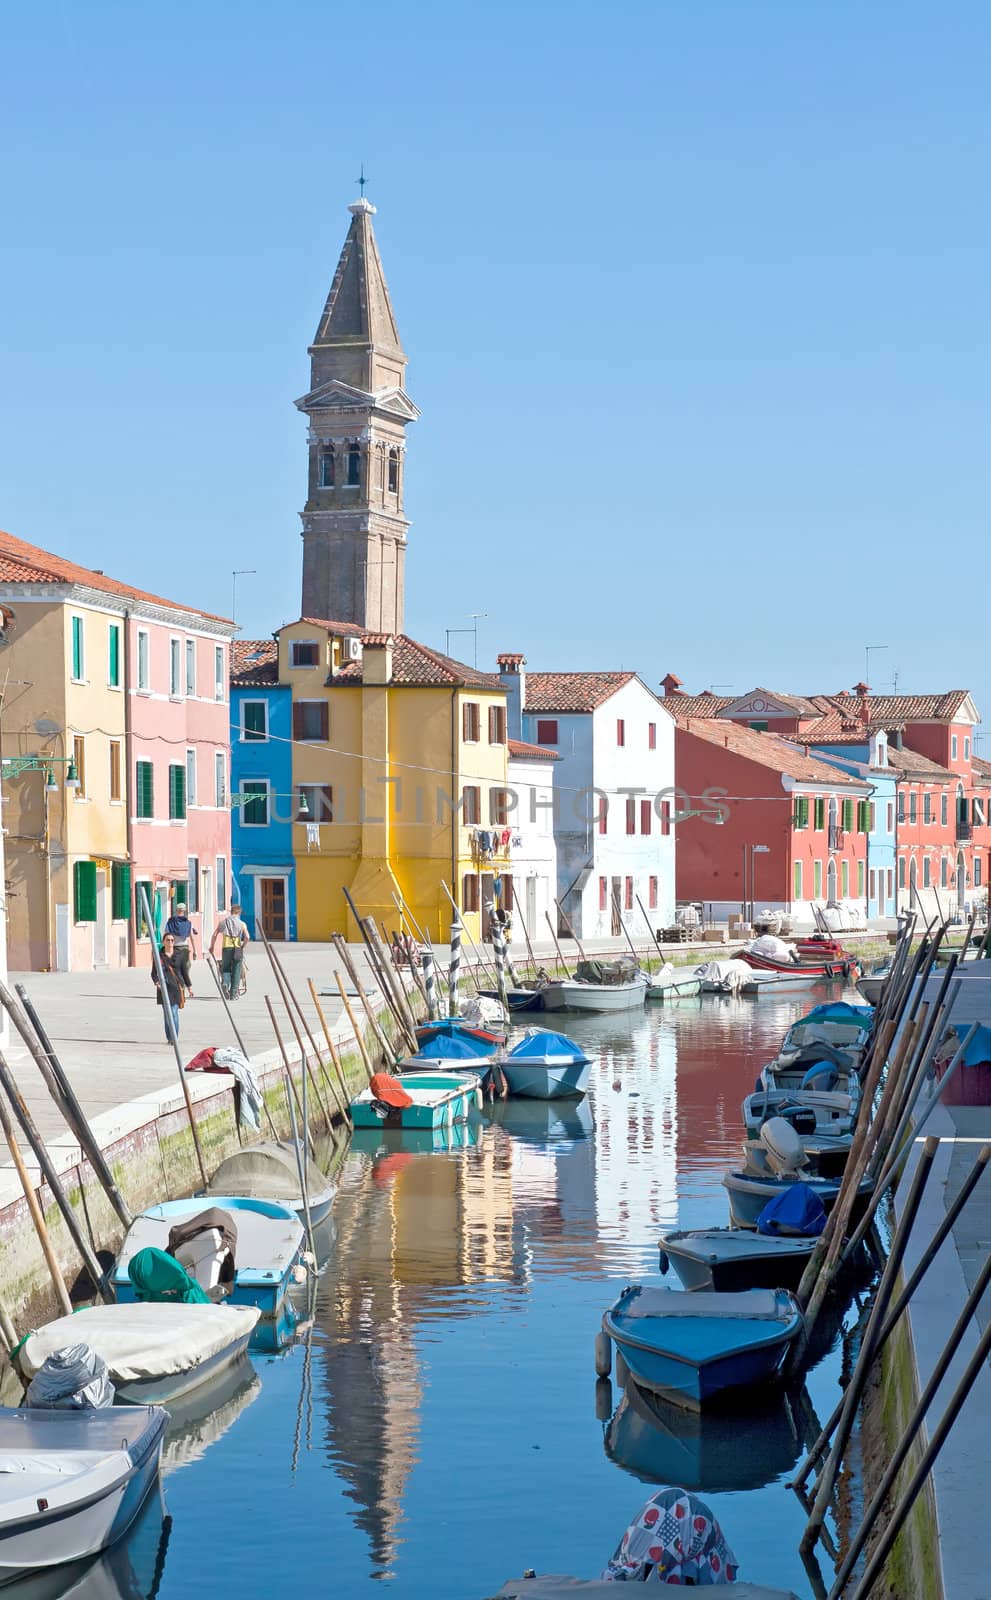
637,1140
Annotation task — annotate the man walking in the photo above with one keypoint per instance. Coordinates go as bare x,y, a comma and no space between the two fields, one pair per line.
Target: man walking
235,936
184,941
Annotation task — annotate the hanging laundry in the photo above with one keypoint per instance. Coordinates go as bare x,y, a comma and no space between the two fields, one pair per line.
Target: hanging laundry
485,840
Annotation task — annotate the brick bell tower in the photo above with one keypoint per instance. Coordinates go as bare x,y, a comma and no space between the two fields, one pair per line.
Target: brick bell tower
354,527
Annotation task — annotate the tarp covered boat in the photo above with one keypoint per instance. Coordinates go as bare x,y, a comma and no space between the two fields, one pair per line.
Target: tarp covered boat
598,986
546,1066
269,1171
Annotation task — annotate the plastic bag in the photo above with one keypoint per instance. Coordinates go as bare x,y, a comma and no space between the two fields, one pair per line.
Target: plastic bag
72,1379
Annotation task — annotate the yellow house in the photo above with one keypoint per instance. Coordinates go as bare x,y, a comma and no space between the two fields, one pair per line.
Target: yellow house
399,779
64,782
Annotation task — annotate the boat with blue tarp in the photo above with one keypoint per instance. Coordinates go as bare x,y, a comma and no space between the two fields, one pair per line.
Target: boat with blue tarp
692,1348
487,1040
546,1066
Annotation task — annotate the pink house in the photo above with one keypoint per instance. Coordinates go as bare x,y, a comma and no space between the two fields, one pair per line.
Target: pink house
178,734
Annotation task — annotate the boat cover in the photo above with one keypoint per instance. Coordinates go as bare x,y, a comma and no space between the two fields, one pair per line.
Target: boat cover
797,1210
772,949
839,1011
160,1277
622,970
674,1538
389,1091
202,1222
449,1048
756,1305
266,1171
540,1044
142,1341
72,1379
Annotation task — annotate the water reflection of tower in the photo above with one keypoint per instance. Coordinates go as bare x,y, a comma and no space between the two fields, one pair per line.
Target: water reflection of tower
413,1232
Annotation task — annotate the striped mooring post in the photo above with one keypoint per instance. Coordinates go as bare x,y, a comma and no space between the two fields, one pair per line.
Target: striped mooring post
454,969
499,951
511,970
429,982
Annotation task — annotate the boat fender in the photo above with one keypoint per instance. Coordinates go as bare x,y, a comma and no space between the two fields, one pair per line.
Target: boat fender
663,1262
308,1259
298,1273
603,1354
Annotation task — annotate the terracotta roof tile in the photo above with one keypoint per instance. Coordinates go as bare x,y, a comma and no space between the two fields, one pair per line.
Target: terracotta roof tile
535,752
781,755
417,666
912,765
572,691
698,705
21,562
889,709
343,628
254,661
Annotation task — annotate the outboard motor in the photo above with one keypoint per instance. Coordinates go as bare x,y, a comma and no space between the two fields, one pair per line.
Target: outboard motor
783,1148
205,1246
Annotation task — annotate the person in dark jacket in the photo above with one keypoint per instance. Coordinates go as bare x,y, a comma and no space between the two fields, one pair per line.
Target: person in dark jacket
172,973
184,934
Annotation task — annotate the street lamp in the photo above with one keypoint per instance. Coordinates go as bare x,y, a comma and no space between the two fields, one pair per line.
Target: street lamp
751,902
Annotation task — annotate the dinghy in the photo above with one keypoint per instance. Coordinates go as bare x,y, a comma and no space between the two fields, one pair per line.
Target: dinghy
269,1171
871,985
692,1348
72,1482
416,1100
750,1192
820,1067
731,1259
598,986
154,1352
486,1039
258,1270
765,984
844,1026
546,1066
672,983
809,1110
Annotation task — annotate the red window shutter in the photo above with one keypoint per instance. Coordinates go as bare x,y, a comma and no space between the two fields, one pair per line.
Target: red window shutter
631,814
652,894
547,731
620,731
603,813
665,818
652,736
645,810
628,896
465,721
602,894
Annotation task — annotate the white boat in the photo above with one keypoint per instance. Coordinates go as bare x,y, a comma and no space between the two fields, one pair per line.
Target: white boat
772,983
546,1066
871,986
573,994
72,1482
154,1352
555,1586
672,983
723,977
829,1112
269,1171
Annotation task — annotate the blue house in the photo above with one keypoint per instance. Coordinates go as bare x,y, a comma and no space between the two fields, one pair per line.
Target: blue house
864,754
261,789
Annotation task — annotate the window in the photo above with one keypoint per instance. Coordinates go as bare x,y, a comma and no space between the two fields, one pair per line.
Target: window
354,465
966,749
927,807
471,722
652,736
943,810
953,747
393,471
628,895
221,883
120,891
844,878
603,894
758,727
469,892
304,653
115,770
913,807
901,806
325,478
79,762
175,668
603,818
818,818
925,872
179,893
78,664
141,889
977,872
471,797
901,872
651,894
863,816
319,799
860,880
817,880
177,792
220,778
891,816
620,732
631,814
797,884
144,790
646,810
84,891
254,721
219,675
801,811
497,724
191,777
498,807
891,883
871,816
113,669
665,818
944,873
848,816
872,880
144,668
192,883
254,802
190,666
547,730
311,721
978,806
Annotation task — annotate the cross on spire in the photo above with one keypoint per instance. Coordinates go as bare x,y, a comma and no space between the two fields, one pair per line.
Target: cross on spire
361,181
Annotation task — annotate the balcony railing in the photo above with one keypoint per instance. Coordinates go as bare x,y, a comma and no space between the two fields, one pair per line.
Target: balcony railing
835,836
964,830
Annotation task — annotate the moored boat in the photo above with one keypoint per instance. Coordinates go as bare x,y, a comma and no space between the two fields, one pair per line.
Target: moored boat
722,976
517,999
72,1482
573,994
691,1348
546,1066
732,1259
672,983
269,1171
416,1100
486,1040
809,1110
749,1192
775,983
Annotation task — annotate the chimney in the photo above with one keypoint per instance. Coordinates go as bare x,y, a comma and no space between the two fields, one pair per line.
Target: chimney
376,658
671,684
512,676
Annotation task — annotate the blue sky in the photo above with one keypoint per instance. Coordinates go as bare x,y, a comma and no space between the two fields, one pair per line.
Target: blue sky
695,298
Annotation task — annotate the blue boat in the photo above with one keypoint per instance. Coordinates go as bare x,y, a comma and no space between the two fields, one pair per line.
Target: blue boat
448,1053
487,1040
692,1348
257,1269
546,1066
433,1100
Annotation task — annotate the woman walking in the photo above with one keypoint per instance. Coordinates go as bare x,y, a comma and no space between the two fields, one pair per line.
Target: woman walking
172,974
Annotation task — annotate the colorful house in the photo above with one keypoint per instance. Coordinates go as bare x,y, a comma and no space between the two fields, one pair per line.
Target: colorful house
264,872
115,745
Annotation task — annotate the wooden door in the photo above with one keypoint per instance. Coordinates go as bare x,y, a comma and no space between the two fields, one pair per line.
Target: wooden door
273,907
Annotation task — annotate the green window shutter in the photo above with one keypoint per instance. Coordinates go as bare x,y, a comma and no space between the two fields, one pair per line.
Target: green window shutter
801,811
84,884
114,665
863,817
120,890
847,816
177,793
77,647
255,719
820,813
798,881
180,892
145,789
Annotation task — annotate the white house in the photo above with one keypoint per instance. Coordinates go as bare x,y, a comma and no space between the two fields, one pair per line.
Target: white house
533,849
613,792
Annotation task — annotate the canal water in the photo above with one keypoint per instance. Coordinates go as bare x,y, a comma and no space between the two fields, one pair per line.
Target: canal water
440,1429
